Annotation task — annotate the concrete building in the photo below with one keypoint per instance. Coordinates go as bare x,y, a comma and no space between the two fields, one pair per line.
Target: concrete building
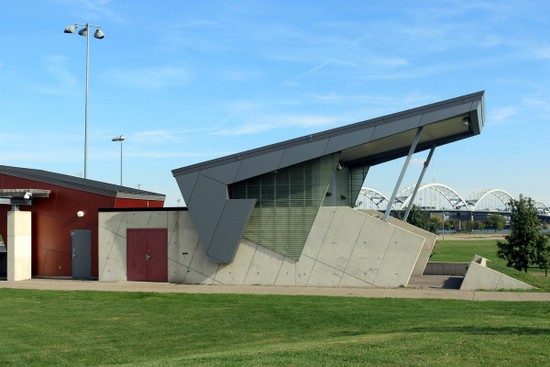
283,214
49,220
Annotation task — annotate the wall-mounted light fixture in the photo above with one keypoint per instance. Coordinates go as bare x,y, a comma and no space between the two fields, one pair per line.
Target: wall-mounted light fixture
80,213
466,121
28,195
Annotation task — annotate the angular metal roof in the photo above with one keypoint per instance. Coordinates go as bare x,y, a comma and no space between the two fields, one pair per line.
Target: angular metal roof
380,139
79,183
220,221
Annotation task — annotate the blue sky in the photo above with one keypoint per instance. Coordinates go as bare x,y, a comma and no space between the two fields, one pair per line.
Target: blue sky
188,81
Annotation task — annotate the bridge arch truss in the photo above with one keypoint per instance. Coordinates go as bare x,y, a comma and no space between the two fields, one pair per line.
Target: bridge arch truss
450,196
478,200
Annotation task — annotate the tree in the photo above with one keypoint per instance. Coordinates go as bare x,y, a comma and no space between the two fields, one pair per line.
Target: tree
545,260
416,217
526,244
495,221
435,223
468,225
449,225
479,225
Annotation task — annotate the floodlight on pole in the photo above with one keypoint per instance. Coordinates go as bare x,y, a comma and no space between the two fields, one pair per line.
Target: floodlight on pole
84,33
120,139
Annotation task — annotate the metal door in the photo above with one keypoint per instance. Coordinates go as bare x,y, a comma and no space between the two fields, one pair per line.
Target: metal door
81,253
147,255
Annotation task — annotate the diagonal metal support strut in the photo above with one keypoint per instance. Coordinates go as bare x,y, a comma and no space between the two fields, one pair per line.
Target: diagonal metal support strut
420,178
403,171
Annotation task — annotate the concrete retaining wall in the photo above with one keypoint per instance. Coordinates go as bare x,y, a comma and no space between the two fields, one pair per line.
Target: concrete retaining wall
345,248
446,268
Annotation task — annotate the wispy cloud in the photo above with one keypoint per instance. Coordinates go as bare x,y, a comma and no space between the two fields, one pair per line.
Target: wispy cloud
265,123
176,154
157,136
46,147
538,105
236,75
64,82
377,99
543,52
155,78
503,116
167,135
199,34
343,51
380,104
89,9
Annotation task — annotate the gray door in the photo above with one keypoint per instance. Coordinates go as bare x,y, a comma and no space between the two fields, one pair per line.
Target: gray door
81,253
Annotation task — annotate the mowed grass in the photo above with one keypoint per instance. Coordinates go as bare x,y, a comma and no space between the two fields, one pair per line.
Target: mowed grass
464,251
54,328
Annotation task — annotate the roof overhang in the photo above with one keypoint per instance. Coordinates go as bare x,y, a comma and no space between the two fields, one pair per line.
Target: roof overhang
380,139
24,193
21,196
220,221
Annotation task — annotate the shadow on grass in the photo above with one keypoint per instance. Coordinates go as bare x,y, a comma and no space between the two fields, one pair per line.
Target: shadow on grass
483,330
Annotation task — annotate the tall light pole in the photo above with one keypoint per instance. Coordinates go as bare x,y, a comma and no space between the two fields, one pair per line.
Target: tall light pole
99,35
120,139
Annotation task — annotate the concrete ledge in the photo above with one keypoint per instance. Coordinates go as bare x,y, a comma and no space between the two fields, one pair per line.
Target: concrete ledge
479,276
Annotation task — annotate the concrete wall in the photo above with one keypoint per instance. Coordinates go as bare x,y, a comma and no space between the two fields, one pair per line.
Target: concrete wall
446,268
19,245
112,239
427,248
345,248
479,276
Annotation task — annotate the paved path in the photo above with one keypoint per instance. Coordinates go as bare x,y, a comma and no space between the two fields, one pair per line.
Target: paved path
425,292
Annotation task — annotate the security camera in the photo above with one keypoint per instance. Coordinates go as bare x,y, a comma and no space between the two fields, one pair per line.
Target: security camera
28,195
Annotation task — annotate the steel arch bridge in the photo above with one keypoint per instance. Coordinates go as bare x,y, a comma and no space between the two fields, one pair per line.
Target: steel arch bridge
404,197
477,198
542,208
491,200
373,196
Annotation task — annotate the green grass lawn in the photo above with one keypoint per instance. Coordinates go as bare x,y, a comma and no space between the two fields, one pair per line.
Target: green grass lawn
464,251
42,328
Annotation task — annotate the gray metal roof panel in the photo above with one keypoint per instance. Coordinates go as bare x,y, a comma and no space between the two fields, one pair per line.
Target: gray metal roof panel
429,111
78,183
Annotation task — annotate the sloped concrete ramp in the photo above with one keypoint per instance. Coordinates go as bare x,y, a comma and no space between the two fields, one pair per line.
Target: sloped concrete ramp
479,276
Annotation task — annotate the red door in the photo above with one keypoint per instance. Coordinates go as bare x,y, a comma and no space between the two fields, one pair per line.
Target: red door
147,255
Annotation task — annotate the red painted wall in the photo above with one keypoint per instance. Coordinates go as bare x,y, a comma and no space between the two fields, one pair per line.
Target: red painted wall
131,203
53,219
